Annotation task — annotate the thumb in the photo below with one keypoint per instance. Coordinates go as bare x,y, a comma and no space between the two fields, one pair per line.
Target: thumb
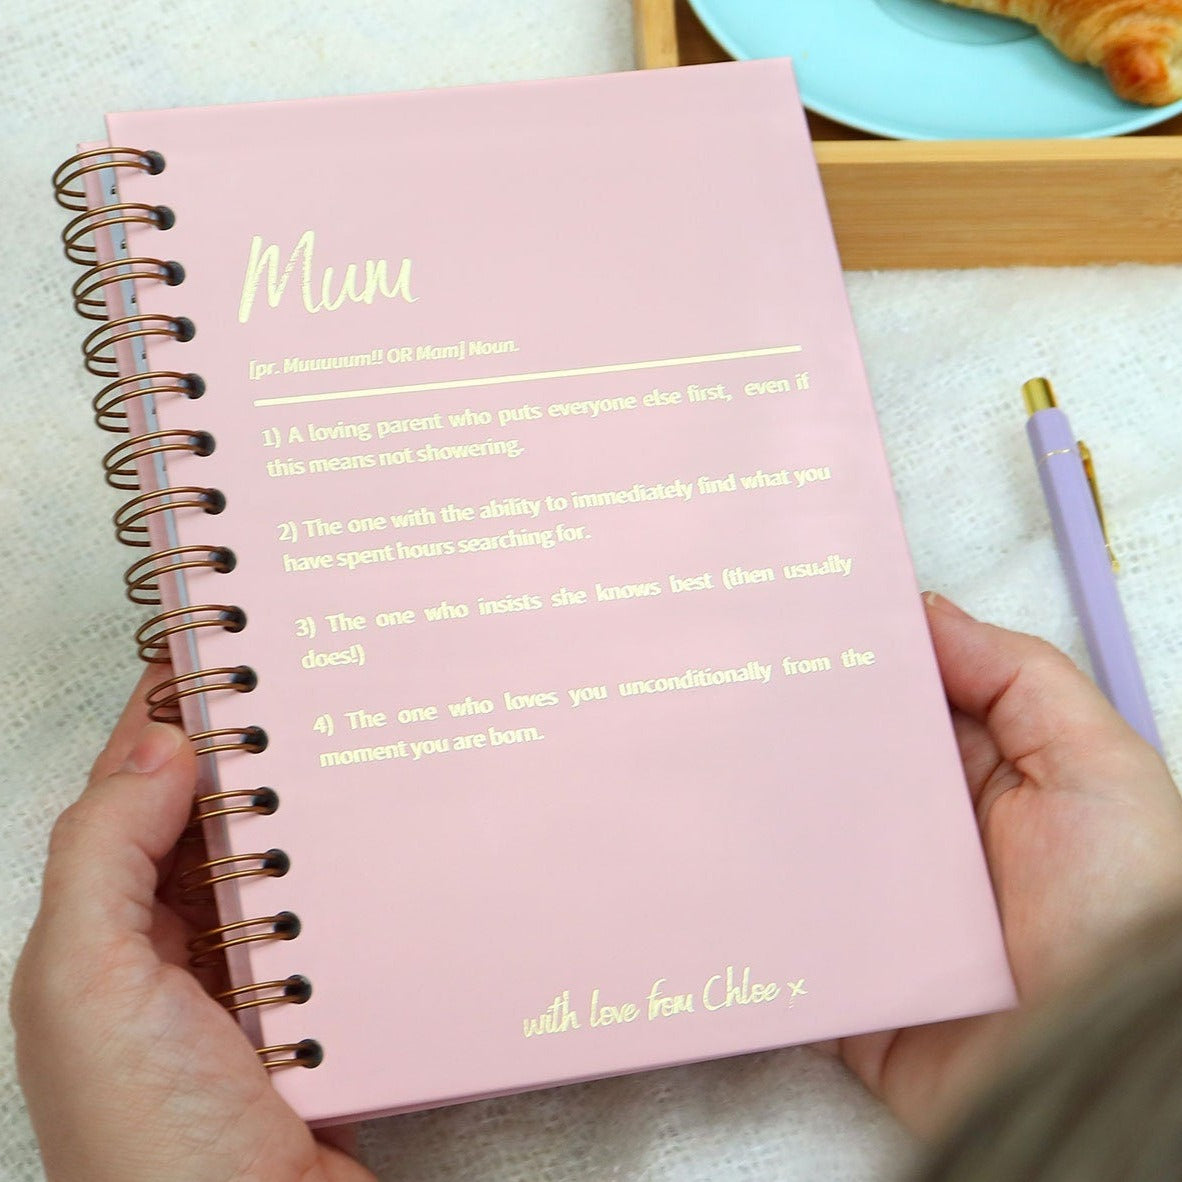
1043,713
100,878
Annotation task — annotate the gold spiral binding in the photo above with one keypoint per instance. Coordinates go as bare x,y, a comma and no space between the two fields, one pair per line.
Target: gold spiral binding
203,877
164,700
305,1053
109,401
263,801
293,990
87,289
95,160
152,637
248,739
142,577
122,464
78,230
99,347
130,517
206,947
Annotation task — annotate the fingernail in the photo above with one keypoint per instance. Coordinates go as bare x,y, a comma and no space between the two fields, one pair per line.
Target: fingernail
943,604
157,744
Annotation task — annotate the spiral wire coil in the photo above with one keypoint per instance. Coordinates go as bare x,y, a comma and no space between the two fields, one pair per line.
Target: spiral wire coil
100,350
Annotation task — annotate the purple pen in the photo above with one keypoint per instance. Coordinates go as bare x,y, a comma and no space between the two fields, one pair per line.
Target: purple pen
1069,485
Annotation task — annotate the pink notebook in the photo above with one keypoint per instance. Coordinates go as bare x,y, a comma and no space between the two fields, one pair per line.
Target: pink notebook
531,565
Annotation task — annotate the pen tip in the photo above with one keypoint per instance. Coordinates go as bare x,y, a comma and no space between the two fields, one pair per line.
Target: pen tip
1038,395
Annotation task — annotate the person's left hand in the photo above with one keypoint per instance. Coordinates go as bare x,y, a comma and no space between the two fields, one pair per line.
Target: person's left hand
131,1071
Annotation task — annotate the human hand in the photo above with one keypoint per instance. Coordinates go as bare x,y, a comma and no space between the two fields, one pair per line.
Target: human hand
1082,829
131,1071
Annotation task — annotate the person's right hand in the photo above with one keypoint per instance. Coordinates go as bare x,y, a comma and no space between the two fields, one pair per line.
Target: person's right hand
132,1072
1082,829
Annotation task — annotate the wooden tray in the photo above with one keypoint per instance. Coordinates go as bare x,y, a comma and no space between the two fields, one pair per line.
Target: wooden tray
971,203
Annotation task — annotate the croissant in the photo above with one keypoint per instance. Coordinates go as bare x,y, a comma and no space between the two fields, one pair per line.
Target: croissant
1137,43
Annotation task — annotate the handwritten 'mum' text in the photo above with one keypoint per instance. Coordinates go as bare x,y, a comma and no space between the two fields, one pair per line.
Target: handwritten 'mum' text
319,292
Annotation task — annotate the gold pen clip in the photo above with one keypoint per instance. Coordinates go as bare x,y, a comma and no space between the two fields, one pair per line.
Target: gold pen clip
1085,455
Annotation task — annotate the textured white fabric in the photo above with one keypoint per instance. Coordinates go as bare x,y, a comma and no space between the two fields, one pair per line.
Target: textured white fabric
946,352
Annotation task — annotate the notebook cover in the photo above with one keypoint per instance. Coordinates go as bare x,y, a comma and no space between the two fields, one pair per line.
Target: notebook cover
600,703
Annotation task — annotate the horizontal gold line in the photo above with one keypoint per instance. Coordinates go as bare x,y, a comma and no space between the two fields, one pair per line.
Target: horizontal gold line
504,379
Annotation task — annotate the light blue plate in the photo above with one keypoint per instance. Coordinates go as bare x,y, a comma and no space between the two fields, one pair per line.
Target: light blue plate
924,70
